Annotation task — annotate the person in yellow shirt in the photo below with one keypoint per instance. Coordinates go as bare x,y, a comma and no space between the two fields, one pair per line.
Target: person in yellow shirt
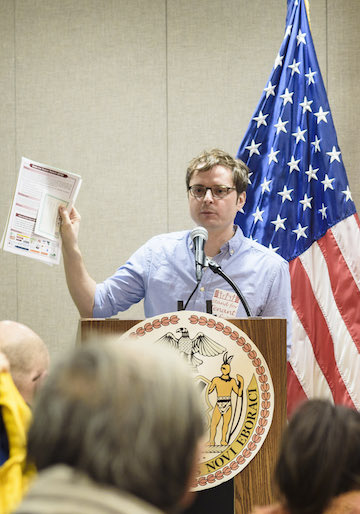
24,362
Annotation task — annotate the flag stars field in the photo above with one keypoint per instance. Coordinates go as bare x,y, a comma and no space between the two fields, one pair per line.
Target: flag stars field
265,185
311,173
288,31
306,105
285,194
347,194
334,155
294,67
280,126
253,148
273,248
323,211
300,232
300,38
306,202
321,115
310,77
327,182
278,61
270,90
299,134
279,223
293,164
287,96
316,144
258,215
261,119
272,155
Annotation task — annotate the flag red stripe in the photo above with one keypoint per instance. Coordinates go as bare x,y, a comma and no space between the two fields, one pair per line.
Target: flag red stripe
295,392
312,319
346,293
356,216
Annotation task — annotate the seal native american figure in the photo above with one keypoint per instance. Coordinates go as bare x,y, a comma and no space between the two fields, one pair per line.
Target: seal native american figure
224,385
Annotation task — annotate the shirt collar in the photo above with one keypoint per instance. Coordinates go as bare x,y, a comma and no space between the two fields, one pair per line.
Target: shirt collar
235,242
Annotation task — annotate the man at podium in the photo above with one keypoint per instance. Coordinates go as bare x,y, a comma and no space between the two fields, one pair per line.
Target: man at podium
162,271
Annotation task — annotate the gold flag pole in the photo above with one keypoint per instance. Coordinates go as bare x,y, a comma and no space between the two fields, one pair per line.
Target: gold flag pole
307,5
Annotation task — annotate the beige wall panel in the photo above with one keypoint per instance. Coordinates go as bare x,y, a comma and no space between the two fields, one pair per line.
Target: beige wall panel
91,99
126,92
318,24
220,56
343,89
8,262
45,304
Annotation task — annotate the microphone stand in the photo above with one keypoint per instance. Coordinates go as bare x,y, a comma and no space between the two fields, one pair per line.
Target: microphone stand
216,268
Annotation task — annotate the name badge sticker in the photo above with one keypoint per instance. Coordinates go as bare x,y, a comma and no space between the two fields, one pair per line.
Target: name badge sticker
225,303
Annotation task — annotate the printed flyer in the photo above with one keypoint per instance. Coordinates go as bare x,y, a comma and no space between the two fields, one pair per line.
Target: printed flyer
33,226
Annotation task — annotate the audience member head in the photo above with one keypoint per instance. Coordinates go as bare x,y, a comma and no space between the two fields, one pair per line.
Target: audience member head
319,457
27,355
124,412
208,159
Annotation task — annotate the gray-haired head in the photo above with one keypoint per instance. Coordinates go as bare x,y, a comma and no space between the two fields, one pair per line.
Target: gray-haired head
126,413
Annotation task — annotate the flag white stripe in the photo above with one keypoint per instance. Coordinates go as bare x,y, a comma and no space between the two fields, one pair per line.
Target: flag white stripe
347,236
305,365
346,354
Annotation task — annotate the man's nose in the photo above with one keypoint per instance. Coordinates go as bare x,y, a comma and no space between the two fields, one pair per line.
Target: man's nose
208,197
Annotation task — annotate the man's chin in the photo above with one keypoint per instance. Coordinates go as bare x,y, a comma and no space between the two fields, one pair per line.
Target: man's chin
208,221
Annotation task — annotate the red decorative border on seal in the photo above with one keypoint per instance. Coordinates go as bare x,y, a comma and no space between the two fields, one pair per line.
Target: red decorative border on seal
156,323
262,377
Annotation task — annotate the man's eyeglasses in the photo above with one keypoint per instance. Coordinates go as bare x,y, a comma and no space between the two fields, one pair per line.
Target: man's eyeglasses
216,191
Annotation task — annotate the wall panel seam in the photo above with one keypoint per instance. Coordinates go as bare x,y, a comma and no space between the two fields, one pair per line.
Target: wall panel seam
167,116
327,45
15,154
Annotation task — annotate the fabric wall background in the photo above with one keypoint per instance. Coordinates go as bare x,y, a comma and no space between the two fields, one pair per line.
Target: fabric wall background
125,93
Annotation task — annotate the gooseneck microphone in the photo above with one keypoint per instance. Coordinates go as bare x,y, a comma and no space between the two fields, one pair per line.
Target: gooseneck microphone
216,268
199,236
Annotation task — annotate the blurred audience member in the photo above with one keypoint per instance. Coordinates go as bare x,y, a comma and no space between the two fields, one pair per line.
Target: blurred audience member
116,429
318,469
24,362
28,357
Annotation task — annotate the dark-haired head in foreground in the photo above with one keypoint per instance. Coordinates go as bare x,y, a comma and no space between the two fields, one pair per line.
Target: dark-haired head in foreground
319,457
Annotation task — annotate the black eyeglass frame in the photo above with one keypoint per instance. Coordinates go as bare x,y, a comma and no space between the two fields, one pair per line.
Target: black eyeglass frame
225,188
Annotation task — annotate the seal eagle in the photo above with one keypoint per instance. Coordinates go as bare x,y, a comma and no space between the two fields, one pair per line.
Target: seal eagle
201,344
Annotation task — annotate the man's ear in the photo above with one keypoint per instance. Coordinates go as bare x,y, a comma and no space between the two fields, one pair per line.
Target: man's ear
241,200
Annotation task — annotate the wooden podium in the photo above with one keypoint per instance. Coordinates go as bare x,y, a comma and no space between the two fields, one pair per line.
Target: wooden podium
253,485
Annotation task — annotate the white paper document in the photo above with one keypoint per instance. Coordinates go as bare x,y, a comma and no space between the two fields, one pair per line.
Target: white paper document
33,227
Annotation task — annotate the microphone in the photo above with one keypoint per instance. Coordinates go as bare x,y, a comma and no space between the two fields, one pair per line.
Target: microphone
199,236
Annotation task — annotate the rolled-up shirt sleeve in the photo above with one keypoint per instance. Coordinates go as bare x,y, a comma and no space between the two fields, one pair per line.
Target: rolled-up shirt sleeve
126,287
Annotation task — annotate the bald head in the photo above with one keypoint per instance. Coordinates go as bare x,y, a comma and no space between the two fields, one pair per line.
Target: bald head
28,357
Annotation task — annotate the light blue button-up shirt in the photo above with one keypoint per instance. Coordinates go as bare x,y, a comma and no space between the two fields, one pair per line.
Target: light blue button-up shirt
162,272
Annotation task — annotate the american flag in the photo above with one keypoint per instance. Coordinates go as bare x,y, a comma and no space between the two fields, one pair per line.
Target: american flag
299,204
